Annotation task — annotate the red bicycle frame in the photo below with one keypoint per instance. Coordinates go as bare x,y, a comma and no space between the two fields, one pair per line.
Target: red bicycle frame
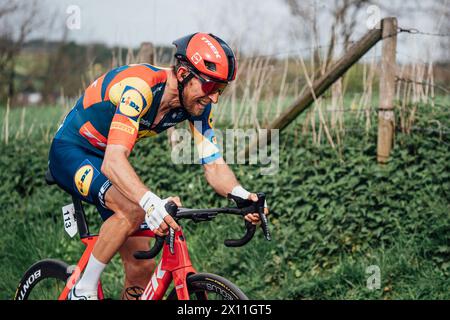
176,267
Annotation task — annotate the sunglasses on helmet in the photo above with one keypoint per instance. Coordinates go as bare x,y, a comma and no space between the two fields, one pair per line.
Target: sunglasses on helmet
210,86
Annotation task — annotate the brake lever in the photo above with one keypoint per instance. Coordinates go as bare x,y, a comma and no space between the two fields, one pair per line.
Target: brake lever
172,209
262,216
171,241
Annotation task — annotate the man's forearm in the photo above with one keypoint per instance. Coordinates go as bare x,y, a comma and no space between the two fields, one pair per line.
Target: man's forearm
220,177
119,171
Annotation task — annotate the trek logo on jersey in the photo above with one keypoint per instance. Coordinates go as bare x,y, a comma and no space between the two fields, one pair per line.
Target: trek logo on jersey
213,48
84,177
131,103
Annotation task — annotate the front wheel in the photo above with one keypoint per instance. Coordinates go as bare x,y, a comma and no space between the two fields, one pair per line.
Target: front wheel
207,286
44,280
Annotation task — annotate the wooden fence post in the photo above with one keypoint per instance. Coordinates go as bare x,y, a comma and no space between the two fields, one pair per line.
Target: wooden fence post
337,70
387,90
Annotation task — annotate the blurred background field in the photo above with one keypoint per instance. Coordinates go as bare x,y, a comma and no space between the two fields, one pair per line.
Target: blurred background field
337,211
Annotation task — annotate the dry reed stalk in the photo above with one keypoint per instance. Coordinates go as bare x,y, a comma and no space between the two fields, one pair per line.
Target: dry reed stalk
6,122
427,81
399,83
30,130
313,124
340,106
418,79
317,106
368,93
337,115
113,60
260,81
268,110
403,108
335,91
306,123
363,96
321,117
119,56
432,86
252,76
65,105
22,123
412,116
408,99
130,58
415,86
249,66
233,102
283,88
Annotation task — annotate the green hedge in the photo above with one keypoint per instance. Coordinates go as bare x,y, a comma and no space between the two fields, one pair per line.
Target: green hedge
333,217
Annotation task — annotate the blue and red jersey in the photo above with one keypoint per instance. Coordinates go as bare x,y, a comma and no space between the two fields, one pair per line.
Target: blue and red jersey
120,107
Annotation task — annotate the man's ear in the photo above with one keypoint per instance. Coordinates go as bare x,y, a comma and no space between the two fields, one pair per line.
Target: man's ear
182,73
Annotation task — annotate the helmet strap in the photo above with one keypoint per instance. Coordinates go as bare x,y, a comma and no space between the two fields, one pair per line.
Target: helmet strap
181,85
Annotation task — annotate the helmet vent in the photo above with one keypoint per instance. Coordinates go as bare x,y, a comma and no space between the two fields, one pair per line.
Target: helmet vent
210,65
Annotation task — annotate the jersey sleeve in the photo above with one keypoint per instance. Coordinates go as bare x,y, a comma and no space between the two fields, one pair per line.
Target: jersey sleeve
133,102
204,138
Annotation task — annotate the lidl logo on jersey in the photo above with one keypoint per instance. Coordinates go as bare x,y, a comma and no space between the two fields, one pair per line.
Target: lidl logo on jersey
131,103
83,178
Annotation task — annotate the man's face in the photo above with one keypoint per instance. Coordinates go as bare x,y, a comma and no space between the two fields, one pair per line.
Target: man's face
195,100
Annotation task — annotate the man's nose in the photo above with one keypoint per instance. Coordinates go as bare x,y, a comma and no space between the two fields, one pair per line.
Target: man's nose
214,97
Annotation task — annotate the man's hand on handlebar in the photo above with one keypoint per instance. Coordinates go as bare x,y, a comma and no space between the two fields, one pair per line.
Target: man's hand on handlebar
243,198
156,215
163,228
254,217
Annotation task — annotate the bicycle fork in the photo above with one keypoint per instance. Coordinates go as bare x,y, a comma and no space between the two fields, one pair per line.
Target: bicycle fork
174,266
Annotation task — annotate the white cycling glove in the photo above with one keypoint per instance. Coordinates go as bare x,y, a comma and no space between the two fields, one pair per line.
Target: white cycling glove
240,192
154,209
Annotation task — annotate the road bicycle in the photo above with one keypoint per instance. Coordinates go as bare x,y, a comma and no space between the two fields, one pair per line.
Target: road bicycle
51,279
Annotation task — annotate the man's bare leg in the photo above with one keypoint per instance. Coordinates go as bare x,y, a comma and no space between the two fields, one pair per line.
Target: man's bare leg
126,219
113,233
137,272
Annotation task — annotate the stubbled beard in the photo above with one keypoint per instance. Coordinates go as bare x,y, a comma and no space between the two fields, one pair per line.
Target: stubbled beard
192,109
132,293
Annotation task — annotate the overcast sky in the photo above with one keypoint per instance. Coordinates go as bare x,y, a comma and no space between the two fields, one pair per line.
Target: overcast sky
265,26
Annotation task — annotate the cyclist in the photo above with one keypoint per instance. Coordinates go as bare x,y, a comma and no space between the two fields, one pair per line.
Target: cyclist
89,153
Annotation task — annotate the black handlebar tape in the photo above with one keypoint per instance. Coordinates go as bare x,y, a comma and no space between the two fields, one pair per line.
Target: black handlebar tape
262,216
250,232
153,252
171,208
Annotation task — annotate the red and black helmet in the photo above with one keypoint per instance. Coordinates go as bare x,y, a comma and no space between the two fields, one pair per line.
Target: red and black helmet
208,55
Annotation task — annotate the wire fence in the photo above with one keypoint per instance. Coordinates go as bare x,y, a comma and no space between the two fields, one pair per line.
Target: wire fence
309,49
423,83
414,87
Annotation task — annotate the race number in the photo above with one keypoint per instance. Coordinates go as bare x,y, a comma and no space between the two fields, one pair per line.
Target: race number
70,223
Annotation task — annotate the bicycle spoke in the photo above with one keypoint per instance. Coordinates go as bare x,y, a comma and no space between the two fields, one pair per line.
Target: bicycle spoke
47,289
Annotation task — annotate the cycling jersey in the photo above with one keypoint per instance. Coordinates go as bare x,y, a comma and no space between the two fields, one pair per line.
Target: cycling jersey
120,107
